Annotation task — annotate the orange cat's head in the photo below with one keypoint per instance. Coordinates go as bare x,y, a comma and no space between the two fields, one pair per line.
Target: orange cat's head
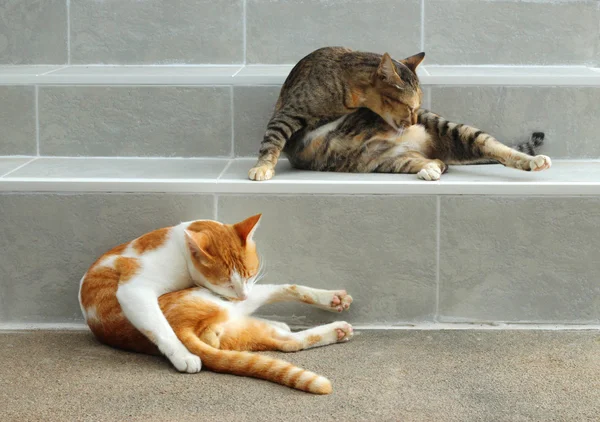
225,256
396,95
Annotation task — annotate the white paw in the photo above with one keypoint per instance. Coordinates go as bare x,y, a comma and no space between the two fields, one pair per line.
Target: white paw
430,172
261,173
540,162
339,301
343,331
184,361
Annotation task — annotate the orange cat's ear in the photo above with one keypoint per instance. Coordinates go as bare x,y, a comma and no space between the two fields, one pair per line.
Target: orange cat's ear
198,243
245,229
387,71
413,62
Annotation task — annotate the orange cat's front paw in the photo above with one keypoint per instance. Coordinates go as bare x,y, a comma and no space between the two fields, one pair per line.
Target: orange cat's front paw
261,173
340,301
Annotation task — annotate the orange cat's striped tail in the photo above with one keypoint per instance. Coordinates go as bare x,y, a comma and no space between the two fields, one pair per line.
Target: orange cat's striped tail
257,366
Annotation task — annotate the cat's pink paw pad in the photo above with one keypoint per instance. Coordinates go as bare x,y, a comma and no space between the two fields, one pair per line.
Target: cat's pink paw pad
540,162
341,301
344,332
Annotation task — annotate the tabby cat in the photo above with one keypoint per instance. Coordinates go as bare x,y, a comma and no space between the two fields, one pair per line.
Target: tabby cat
187,292
347,111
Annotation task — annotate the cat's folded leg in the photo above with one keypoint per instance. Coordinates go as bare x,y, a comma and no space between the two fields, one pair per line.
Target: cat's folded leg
323,335
412,162
140,306
261,294
280,129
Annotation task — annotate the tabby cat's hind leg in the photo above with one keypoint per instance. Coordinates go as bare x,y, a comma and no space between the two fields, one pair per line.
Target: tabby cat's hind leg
491,148
280,129
412,162
462,144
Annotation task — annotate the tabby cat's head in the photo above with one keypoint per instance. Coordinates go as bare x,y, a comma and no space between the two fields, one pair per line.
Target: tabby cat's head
225,256
396,94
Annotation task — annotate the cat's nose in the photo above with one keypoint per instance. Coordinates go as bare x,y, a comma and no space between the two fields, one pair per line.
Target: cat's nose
243,296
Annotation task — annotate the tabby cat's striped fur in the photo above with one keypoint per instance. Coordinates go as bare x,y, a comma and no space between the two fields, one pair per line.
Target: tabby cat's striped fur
332,82
377,127
362,142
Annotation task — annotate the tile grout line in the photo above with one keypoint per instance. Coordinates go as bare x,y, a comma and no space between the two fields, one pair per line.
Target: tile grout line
225,169
422,25
238,71
437,259
18,167
54,70
429,105
216,207
244,3
231,105
68,32
37,120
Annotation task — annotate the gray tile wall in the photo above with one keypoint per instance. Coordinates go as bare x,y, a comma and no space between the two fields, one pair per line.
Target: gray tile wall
135,121
175,121
212,31
17,120
568,115
519,259
33,32
511,31
285,31
49,241
381,249
156,31
207,31
253,107
500,259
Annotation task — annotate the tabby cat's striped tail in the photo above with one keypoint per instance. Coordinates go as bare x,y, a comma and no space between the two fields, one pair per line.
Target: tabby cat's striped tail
257,366
533,145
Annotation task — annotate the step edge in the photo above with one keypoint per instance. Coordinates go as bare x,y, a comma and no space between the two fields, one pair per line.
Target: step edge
425,326
236,75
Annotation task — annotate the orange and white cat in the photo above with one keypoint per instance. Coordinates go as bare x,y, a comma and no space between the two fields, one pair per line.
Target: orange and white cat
187,292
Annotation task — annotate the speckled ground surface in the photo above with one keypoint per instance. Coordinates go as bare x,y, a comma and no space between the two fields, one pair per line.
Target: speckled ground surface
378,376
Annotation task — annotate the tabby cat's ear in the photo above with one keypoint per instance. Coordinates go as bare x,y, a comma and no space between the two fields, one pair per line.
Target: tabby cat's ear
387,71
245,229
198,243
413,62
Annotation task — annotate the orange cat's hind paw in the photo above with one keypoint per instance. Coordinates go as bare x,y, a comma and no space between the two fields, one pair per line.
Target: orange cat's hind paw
344,332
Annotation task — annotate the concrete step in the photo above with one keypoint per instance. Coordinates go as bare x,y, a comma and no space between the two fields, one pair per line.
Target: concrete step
486,244
222,111
542,32
377,376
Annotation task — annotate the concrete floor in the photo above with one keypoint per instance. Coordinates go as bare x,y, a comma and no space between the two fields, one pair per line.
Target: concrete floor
378,376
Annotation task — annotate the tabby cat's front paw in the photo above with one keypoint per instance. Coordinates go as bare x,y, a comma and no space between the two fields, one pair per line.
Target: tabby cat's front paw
430,172
261,173
540,162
